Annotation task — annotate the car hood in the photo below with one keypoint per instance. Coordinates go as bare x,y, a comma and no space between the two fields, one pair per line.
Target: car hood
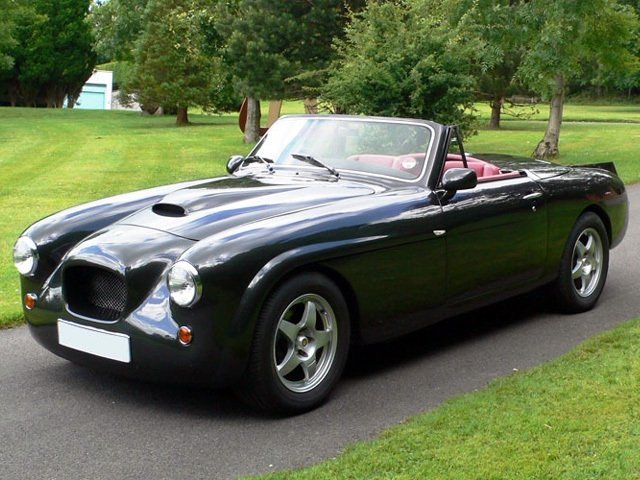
213,206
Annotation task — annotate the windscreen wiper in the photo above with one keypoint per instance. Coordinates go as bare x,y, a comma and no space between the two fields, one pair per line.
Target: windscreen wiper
315,162
258,158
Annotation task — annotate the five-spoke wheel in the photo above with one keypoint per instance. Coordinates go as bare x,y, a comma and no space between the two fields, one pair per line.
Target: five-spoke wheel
300,346
584,265
587,262
305,343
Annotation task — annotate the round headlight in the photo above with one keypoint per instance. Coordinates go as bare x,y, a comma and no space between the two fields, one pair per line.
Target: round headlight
184,283
25,256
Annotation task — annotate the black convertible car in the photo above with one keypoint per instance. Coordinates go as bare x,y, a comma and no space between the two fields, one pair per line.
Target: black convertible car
334,230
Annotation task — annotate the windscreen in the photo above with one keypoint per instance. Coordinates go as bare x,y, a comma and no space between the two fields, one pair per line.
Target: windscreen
389,148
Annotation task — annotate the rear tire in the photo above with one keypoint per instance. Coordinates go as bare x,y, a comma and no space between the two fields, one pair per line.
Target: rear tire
300,346
584,265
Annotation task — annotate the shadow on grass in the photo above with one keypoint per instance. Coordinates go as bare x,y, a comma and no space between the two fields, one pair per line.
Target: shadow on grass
164,125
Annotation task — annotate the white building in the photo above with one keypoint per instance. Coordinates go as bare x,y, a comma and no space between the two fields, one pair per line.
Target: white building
97,91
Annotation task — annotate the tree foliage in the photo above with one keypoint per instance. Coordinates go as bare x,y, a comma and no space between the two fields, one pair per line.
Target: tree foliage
565,36
7,40
117,25
408,59
176,63
496,23
52,52
279,50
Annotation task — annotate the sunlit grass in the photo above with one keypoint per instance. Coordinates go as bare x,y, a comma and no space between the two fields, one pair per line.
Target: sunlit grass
620,113
580,143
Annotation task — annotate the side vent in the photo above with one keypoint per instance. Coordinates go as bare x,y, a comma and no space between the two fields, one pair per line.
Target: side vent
168,210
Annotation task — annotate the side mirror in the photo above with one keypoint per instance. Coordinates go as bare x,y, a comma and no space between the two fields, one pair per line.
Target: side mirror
459,179
234,163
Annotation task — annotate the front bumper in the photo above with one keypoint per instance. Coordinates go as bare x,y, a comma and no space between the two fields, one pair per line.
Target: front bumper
148,320
154,349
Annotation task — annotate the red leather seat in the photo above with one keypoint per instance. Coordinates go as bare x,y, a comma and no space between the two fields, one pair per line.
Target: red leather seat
482,168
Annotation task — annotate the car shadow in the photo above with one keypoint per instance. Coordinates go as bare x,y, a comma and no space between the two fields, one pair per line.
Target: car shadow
472,326
163,398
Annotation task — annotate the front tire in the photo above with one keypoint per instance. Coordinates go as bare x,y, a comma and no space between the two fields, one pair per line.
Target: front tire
584,265
299,348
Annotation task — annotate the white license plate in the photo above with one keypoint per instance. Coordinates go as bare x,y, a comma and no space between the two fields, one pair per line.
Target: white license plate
94,341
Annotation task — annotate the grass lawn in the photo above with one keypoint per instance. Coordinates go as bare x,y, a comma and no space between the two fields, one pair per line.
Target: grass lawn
573,418
52,159
624,113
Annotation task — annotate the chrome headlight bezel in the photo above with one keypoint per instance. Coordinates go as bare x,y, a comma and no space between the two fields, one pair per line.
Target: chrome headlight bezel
25,256
185,286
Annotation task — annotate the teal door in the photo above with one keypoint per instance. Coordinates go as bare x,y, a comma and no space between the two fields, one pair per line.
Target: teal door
93,97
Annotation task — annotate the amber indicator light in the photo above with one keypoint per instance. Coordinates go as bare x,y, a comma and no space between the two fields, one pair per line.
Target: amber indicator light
185,336
30,300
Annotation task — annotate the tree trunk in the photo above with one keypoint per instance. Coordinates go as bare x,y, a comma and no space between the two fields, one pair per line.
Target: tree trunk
59,98
182,117
252,126
599,91
548,147
72,97
311,105
14,93
496,110
50,99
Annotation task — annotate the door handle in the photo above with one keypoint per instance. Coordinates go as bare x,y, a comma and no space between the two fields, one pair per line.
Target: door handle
532,196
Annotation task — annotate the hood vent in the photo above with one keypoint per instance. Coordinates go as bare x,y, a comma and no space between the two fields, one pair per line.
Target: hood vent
169,210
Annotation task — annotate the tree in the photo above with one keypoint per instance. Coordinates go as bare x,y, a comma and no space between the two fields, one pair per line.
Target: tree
176,62
117,26
58,51
7,42
280,50
407,59
52,52
493,21
561,36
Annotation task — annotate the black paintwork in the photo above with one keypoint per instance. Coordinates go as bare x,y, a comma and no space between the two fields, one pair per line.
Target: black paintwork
377,238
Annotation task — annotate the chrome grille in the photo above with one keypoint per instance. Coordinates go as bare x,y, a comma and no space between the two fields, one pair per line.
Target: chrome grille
94,292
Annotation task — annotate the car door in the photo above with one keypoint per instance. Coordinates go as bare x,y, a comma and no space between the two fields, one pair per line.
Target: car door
400,284
496,238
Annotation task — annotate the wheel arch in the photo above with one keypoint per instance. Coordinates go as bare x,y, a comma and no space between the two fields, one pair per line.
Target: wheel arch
602,214
339,280
296,261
